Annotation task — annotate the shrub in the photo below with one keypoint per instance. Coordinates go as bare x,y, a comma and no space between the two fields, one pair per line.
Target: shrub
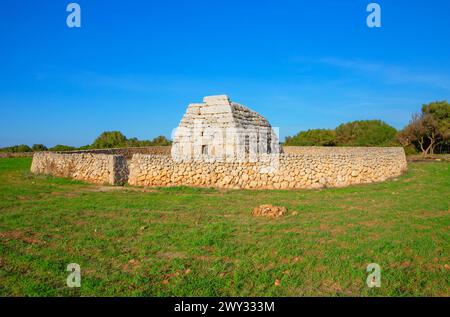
316,137
110,139
61,147
39,147
366,133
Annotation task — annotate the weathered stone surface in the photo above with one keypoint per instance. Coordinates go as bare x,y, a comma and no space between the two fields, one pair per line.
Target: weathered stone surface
316,168
222,129
94,168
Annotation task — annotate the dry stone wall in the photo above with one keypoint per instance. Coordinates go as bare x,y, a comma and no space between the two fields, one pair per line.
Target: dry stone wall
309,167
20,154
313,168
127,152
90,167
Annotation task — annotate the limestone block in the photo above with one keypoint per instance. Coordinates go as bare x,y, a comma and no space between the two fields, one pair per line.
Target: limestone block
217,100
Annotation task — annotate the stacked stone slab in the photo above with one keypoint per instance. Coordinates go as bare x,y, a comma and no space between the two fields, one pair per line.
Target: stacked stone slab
219,129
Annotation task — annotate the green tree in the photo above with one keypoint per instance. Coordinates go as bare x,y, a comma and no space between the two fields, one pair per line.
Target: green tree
110,139
366,133
438,123
16,149
161,141
428,129
22,148
315,137
60,147
39,148
84,147
133,142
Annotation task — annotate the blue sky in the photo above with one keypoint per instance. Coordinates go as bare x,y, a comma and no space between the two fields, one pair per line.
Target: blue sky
135,65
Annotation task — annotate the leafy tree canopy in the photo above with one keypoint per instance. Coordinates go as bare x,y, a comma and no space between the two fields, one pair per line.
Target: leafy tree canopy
428,130
39,147
110,139
60,147
366,133
315,137
16,149
356,133
115,139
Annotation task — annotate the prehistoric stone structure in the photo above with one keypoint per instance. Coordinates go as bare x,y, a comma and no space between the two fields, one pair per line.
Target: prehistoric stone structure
219,129
223,144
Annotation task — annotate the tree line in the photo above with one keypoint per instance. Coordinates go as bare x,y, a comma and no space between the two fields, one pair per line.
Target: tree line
106,140
428,132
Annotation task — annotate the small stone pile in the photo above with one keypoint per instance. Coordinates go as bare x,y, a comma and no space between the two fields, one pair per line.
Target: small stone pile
269,211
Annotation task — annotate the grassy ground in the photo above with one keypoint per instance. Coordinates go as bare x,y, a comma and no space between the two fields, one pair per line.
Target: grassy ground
204,242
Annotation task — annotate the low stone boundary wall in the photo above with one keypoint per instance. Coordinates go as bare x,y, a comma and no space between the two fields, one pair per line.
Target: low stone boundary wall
21,154
313,168
90,167
321,150
127,152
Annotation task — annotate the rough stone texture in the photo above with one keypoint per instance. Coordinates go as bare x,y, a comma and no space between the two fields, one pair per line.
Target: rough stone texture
127,152
316,168
94,168
221,129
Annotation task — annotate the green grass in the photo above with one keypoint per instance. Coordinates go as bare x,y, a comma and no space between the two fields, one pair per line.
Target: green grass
204,242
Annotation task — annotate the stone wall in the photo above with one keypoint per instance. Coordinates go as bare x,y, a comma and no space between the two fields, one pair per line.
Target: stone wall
127,152
309,167
337,150
20,154
90,167
314,167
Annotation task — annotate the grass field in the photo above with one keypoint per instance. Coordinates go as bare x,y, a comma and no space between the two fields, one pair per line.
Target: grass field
204,242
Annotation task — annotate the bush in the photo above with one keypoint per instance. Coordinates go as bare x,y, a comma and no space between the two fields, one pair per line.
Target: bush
61,147
39,148
410,150
84,147
160,141
115,139
316,137
366,133
110,139
16,149
428,131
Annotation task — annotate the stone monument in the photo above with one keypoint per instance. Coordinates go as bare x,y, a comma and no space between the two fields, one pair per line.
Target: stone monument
220,129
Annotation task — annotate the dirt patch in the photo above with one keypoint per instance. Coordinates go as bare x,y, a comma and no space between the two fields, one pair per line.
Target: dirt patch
131,265
26,237
369,223
269,211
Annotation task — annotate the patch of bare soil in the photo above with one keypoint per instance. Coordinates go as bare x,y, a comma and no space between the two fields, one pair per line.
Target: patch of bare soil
131,265
269,211
29,238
